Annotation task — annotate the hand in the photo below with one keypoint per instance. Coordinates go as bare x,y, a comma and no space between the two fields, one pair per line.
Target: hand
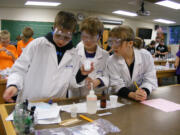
83,72
3,49
9,93
95,83
139,95
88,82
158,52
9,53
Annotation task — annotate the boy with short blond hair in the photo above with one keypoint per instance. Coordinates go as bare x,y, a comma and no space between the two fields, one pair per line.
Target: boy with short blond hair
88,49
25,39
8,53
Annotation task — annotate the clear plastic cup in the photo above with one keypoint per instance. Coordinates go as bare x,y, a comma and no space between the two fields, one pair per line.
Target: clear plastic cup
113,100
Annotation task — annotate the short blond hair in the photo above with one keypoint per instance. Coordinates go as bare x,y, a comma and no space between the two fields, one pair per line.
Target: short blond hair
92,25
4,34
123,32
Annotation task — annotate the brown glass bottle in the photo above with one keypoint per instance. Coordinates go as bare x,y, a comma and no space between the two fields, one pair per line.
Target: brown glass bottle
103,100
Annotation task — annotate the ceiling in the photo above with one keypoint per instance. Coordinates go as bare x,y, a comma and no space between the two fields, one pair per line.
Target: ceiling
107,7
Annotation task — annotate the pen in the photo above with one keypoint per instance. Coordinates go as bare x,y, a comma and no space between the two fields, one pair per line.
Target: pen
136,85
86,118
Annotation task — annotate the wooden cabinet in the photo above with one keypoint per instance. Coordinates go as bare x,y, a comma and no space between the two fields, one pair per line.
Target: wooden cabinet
2,89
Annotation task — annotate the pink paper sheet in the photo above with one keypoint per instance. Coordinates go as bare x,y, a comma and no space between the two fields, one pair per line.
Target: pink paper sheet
162,104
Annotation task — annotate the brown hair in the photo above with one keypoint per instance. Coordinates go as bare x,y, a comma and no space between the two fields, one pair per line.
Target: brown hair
92,25
27,32
138,43
65,20
123,32
152,42
4,33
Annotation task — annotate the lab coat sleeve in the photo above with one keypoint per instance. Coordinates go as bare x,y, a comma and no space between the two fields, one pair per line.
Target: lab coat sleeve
104,76
76,67
116,82
149,79
21,66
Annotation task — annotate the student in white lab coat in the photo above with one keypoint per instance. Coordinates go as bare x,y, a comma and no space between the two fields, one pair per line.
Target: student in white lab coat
129,64
88,49
49,65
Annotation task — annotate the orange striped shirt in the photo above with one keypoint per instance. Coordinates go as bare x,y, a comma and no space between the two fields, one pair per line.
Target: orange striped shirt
6,60
21,45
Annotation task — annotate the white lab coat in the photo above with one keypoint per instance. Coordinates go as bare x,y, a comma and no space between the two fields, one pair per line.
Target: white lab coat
38,74
144,72
100,61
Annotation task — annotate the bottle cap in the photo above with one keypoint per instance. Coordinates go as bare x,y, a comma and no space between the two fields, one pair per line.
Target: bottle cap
91,92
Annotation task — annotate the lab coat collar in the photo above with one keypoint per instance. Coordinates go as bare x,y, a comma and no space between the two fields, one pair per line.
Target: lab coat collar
68,51
122,65
137,63
137,54
66,58
49,37
81,51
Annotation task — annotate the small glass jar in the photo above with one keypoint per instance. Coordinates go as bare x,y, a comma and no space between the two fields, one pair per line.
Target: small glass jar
23,122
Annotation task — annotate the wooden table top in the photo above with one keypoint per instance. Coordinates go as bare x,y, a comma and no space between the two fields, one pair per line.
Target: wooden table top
165,73
132,119
163,62
3,81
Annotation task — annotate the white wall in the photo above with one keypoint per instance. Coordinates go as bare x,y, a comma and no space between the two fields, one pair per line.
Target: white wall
28,14
139,24
48,15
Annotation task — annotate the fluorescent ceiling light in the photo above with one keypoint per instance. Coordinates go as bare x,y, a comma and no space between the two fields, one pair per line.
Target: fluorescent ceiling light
169,4
126,13
115,22
38,3
164,21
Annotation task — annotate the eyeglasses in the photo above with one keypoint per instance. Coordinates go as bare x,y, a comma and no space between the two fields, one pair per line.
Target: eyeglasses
62,36
86,37
114,41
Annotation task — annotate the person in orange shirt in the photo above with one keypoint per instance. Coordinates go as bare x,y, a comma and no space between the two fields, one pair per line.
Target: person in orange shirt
8,53
26,39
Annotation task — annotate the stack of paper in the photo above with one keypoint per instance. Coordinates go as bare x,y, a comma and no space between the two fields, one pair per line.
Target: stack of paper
45,113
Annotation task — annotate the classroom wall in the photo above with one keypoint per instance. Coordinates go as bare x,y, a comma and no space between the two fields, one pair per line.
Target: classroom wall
139,24
48,15
174,49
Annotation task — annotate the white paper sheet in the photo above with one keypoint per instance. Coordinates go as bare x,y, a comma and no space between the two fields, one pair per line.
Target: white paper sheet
50,121
81,107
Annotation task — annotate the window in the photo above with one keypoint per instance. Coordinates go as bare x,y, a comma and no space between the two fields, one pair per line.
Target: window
174,34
